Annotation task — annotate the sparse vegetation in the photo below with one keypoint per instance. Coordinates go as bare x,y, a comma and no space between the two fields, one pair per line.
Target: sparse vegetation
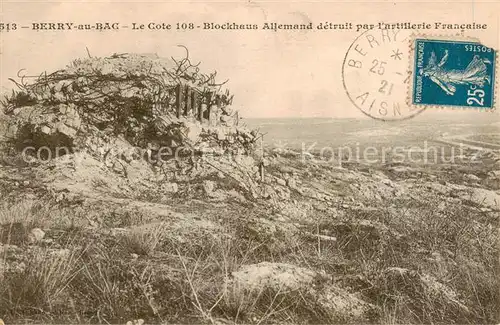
145,240
41,283
412,261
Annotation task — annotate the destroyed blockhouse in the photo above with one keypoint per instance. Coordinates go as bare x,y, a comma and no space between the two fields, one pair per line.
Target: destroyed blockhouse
148,101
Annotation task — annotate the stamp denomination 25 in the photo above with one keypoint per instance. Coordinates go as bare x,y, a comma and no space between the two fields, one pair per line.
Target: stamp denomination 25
376,74
453,73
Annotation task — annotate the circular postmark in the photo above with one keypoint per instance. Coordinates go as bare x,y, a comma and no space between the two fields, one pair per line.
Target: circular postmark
376,74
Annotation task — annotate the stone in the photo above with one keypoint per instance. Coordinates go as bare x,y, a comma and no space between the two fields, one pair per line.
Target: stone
281,182
60,253
136,322
227,110
128,156
170,187
387,182
494,174
10,131
277,276
193,132
208,187
472,178
291,183
226,119
320,237
66,130
484,198
45,129
236,195
283,193
221,133
36,235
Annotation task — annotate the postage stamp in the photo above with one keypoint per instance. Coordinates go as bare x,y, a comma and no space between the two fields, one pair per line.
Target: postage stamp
453,73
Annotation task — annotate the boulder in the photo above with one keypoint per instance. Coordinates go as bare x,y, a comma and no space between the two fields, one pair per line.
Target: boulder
275,276
334,303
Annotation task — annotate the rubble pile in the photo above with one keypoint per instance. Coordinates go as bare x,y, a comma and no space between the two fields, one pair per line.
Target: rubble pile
127,106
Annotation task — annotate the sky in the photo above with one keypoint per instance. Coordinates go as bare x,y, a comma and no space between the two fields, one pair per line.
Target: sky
272,74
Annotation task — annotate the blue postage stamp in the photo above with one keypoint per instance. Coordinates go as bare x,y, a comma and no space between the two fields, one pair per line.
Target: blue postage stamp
453,73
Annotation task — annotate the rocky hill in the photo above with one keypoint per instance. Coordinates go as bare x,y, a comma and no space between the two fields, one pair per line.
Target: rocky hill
107,232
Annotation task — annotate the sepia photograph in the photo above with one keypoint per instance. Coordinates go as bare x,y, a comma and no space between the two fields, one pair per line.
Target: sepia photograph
249,162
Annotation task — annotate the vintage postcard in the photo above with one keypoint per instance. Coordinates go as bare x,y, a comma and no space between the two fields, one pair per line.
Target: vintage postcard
249,162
